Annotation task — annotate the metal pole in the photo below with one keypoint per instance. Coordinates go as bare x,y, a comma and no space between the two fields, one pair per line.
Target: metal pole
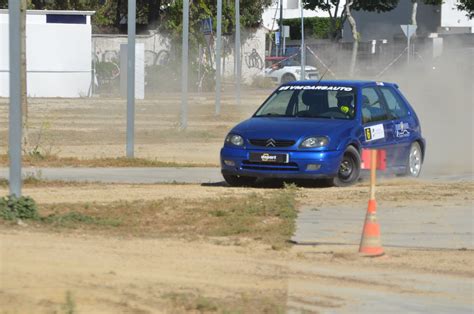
303,48
237,51
281,28
408,44
15,121
131,21
218,57
184,67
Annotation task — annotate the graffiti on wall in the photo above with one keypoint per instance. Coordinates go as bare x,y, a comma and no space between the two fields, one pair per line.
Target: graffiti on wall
253,60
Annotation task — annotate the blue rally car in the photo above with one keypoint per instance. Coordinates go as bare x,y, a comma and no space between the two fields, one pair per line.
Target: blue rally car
312,130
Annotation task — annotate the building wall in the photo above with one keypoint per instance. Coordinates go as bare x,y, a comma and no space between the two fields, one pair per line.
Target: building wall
453,18
58,57
291,10
107,48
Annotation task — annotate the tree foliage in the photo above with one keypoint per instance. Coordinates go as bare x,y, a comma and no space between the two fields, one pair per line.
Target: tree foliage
111,15
468,6
338,15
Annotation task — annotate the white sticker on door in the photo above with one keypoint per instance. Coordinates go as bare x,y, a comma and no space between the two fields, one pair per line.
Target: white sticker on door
374,132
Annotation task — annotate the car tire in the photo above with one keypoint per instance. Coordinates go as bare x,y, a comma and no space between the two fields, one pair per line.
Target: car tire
234,180
414,161
349,168
288,78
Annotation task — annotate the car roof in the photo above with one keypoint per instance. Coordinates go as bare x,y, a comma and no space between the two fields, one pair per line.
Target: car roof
353,83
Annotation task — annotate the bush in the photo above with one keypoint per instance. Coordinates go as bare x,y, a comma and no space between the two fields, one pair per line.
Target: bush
315,27
12,208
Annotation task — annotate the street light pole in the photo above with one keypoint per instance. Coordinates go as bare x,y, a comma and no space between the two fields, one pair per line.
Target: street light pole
15,119
184,67
131,22
303,47
237,50
218,57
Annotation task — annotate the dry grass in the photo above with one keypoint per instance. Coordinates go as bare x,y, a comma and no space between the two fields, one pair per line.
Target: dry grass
269,218
56,161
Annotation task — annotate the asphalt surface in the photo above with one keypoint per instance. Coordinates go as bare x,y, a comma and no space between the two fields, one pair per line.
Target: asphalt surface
124,175
160,175
417,226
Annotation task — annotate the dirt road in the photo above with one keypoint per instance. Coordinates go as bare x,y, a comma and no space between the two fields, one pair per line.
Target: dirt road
48,270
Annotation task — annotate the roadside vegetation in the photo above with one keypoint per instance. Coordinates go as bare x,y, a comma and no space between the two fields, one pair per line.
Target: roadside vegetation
269,217
56,161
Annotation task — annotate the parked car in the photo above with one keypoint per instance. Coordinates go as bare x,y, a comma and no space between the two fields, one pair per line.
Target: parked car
314,130
287,69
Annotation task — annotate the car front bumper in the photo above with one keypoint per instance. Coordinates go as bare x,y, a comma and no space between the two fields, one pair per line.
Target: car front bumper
301,165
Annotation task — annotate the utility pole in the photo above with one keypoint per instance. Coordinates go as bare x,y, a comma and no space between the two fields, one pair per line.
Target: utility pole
23,74
15,117
184,67
131,22
303,47
281,28
237,51
218,57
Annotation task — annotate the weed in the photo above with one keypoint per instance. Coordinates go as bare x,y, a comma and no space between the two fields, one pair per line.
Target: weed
33,177
12,208
205,305
69,306
73,218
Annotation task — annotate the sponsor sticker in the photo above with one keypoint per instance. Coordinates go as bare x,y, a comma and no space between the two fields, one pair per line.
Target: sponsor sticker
374,132
401,129
318,87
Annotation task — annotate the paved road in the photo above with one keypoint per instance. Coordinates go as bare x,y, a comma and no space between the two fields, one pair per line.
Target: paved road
429,227
125,175
159,175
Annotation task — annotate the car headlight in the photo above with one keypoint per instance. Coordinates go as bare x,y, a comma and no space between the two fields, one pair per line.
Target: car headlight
315,141
234,139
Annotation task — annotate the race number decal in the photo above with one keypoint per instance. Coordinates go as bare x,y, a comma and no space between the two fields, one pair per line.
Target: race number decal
374,132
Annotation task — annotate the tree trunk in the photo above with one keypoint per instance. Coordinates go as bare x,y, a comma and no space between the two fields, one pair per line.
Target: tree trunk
355,37
414,8
24,104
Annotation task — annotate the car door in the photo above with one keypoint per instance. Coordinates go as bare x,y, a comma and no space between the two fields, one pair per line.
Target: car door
402,126
376,125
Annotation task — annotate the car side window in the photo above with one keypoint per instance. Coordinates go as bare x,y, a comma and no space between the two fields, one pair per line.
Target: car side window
395,105
372,108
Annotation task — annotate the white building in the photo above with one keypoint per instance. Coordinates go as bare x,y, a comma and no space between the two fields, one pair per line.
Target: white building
453,20
58,55
291,10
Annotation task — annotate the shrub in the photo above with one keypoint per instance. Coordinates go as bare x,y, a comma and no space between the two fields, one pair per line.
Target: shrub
12,208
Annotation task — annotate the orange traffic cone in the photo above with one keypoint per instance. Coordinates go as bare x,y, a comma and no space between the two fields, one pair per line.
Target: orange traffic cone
370,244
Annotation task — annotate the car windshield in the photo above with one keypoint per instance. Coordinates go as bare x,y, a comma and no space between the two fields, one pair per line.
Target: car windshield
329,102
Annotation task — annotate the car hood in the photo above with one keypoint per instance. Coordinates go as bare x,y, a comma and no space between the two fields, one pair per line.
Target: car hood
296,129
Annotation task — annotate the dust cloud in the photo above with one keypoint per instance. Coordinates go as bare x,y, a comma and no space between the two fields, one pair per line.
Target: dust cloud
442,92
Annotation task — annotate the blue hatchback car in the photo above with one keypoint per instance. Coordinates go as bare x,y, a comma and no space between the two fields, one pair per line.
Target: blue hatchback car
313,130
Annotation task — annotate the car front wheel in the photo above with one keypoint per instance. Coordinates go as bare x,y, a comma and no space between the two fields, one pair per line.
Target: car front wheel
349,168
234,180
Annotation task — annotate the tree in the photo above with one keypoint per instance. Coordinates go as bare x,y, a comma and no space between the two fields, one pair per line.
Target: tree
338,17
338,14
468,6
414,8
